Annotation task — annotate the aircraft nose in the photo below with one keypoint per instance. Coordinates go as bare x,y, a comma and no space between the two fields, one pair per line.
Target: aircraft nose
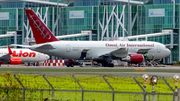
47,57
168,52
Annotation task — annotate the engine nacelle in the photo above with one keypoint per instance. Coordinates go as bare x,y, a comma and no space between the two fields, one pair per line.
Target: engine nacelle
15,61
133,58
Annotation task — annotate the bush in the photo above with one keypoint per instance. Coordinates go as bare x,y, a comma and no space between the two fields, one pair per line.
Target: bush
177,63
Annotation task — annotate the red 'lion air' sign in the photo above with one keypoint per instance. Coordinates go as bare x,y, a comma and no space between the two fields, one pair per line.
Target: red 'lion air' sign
24,54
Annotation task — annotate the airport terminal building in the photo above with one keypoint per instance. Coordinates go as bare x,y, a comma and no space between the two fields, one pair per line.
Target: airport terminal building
142,20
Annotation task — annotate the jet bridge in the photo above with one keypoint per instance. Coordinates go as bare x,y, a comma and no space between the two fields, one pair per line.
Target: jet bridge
169,44
83,33
11,34
166,37
169,37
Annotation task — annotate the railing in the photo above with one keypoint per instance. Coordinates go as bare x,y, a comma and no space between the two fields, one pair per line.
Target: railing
25,87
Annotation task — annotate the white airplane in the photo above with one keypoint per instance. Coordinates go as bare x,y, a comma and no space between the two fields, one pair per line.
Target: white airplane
17,56
100,51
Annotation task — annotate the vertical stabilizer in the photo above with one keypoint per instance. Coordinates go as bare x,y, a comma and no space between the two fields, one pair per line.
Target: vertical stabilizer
40,31
9,49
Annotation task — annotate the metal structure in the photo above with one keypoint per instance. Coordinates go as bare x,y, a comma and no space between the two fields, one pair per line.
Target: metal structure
104,27
171,44
26,90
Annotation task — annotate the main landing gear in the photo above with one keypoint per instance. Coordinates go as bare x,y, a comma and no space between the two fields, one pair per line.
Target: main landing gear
71,63
107,64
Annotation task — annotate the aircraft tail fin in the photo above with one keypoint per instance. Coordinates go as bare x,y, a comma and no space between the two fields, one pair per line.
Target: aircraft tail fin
9,49
40,31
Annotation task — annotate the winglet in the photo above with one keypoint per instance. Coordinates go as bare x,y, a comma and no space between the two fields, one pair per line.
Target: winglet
9,49
40,31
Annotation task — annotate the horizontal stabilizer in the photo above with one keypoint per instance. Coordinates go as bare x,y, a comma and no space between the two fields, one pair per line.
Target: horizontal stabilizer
23,46
45,46
5,57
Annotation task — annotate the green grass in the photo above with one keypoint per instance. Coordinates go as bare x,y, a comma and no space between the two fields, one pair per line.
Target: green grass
39,70
88,82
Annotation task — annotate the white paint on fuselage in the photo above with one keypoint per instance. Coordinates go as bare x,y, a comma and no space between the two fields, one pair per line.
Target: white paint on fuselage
73,49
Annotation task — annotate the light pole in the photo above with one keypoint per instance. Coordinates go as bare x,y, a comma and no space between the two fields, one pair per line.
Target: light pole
176,79
145,78
153,82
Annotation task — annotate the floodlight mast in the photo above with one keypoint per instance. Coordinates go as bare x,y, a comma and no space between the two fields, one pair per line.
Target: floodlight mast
176,79
145,78
153,82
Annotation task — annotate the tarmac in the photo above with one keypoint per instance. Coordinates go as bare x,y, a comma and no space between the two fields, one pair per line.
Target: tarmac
89,67
138,71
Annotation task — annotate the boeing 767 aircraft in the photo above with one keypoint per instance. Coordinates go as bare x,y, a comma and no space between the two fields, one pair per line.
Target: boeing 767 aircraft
17,56
101,51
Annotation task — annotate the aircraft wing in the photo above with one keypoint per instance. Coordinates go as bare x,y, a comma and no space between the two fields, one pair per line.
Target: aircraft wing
141,51
121,52
45,46
37,46
24,46
5,57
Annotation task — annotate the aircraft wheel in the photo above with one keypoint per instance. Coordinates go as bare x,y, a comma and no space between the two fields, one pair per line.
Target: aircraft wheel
67,65
103,64
72,65
110,65
107,65
150,65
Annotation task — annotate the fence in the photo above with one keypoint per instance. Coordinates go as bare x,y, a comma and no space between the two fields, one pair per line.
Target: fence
52,63
81,87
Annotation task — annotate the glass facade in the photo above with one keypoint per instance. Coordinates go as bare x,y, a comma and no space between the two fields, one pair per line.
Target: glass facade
72,25
97,2
23,4
31,4
12,4
12,22
14,18
155,24
86,2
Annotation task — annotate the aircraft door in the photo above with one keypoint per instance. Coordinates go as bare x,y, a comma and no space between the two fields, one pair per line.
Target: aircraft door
68,48
158,49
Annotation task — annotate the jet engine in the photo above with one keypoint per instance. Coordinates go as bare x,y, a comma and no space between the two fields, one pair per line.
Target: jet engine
15,61
133,58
